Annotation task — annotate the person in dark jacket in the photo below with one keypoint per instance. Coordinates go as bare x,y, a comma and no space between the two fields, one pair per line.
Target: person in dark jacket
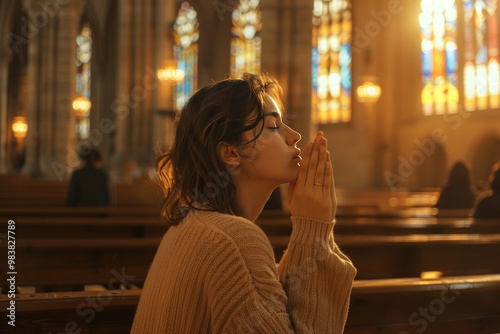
89,185
489,206
458,193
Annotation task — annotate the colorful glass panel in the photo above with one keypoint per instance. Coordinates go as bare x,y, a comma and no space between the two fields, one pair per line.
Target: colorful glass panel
83,74
331,61
439,57
246,44
481,69
186,35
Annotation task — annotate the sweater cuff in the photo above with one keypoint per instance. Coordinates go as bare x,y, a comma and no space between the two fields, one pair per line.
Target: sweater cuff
309,231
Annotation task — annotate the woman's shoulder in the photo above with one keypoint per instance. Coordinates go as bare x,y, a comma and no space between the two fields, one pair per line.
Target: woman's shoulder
223,228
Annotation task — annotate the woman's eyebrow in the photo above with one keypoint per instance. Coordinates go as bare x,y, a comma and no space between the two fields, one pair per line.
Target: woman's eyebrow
273,114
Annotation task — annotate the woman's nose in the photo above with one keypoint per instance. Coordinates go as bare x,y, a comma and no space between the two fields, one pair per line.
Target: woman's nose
293,137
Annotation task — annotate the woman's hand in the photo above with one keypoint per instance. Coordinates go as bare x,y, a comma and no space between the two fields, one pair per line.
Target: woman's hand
313,194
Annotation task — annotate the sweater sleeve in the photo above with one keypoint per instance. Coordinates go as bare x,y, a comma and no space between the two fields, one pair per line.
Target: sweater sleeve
317,278
309,295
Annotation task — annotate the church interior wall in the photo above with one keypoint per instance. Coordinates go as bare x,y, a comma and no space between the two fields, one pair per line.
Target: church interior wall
375,144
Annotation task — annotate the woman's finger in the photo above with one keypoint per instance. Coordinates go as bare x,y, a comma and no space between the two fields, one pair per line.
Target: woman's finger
304,164
329,185
313,161
319,176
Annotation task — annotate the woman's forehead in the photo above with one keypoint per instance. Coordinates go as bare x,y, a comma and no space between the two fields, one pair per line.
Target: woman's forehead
271,105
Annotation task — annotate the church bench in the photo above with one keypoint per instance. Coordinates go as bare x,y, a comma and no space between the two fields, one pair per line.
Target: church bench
65,263
141,220
20,191
274,223
88,226
45,262
409,255
459,305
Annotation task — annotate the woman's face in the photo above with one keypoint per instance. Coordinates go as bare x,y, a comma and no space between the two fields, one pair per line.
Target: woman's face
274,156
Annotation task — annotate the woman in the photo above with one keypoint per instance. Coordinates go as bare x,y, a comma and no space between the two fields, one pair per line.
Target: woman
214,271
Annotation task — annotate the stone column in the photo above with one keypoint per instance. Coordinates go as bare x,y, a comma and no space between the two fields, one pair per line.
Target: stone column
286,54
32,163
47,120
122,106
65,144
5,56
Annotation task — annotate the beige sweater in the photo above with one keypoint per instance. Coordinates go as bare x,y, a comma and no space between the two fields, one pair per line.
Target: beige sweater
215,273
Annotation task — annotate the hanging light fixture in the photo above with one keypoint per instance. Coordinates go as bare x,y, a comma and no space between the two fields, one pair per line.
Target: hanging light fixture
19,127
169,72
368,92
81,105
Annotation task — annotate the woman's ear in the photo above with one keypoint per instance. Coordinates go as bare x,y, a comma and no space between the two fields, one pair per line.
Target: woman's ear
229,154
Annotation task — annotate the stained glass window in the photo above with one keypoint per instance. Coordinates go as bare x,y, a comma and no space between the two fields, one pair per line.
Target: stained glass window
481,69
186,53
331,61
83,66
246,44
438,27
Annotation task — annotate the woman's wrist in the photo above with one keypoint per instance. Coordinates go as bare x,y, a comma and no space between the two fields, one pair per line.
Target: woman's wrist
310,231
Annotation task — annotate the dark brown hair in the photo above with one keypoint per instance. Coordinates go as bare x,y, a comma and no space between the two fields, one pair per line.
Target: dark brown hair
191,172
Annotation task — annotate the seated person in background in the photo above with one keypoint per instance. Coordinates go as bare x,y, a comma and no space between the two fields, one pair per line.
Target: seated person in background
458,193
489,206
89,185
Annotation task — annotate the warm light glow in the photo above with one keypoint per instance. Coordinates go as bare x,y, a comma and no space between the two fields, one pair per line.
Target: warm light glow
429,275
81,105
368,92
170,73
19,127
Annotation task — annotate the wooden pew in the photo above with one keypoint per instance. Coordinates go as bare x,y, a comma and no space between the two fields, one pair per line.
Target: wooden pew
22,191
65,263
459,305
276,223
17,190
145,221
46,262
410,255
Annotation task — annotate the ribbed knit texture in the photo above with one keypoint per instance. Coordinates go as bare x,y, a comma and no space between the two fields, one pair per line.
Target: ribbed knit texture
215,273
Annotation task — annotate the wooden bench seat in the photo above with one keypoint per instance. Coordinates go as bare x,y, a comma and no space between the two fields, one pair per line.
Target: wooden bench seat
69,262
45,262
410,255
278,223
459,305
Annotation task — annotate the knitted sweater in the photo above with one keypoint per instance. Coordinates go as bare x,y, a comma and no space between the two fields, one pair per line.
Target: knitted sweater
215,273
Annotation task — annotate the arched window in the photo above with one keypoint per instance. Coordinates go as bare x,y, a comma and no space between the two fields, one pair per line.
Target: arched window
331,61
186,53
246,44
477,44
438,26
83,67
481,69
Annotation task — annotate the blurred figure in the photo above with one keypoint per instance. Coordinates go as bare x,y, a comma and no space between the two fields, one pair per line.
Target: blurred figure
489,206
89,185
458,193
